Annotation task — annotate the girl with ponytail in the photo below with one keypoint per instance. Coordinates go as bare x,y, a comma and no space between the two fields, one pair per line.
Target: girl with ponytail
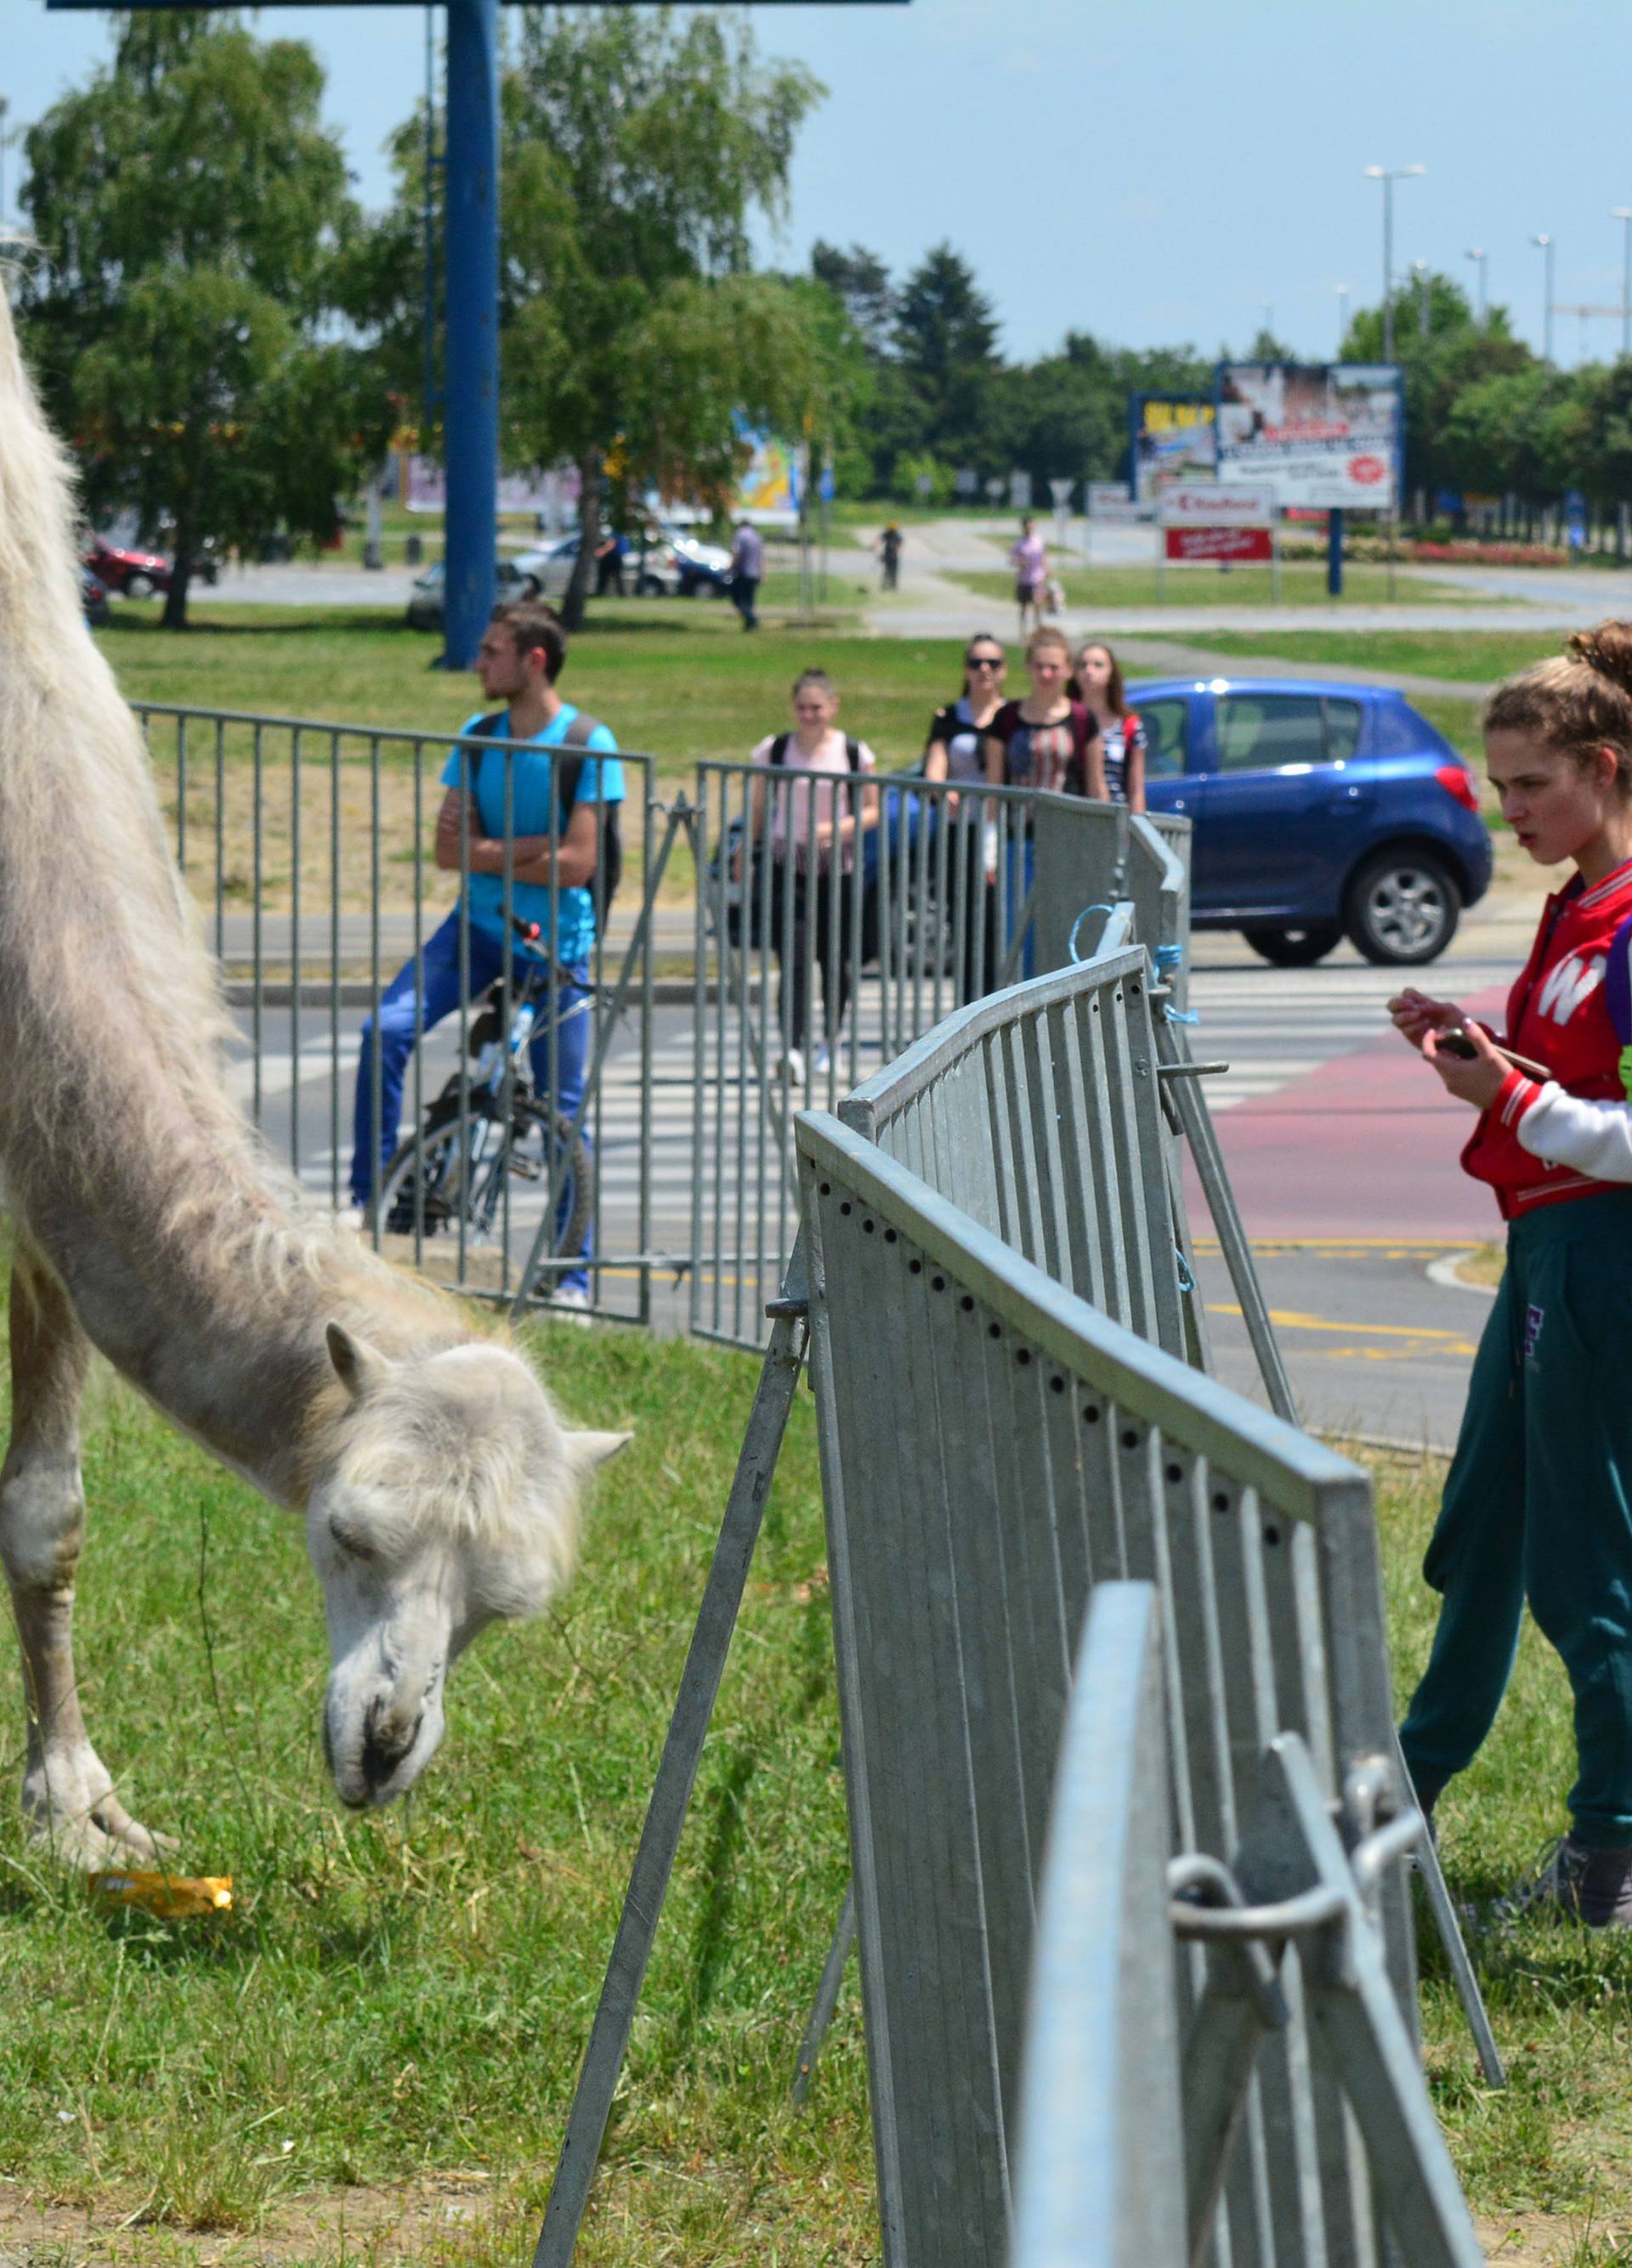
1538,1502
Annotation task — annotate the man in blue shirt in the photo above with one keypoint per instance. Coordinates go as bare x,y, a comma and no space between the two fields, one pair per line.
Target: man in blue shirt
553,857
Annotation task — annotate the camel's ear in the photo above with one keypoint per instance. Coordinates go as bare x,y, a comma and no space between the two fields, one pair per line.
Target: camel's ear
586,1451
360,1366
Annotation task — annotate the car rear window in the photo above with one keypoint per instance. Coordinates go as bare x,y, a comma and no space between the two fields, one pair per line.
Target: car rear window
1166,725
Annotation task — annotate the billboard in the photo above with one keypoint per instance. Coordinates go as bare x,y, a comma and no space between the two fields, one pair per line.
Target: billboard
767,488
1328,435
1171,438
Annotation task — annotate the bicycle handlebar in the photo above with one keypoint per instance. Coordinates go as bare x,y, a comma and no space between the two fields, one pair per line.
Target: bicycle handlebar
530,934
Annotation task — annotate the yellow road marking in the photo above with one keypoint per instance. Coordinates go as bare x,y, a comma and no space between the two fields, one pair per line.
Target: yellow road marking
1288,1320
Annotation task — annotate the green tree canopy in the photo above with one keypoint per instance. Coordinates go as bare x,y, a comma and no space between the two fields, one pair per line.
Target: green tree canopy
639,147
190,206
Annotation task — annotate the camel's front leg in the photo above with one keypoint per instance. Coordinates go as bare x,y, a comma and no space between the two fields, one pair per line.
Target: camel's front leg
68,1795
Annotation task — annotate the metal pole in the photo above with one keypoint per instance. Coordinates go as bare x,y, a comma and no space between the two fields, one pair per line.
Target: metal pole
1545,244
471,420
1388,276
1334,554
1419,268
428,413
1626,282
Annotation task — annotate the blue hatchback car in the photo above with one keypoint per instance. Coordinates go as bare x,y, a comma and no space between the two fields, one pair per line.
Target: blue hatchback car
1320,811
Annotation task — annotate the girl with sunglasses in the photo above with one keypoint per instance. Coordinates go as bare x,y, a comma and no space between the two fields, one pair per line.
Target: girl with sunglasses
957,753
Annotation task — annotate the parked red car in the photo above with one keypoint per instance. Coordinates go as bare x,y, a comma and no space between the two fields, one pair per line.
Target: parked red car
137,574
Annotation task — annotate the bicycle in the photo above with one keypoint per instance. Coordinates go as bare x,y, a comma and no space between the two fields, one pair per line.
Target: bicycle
459,1162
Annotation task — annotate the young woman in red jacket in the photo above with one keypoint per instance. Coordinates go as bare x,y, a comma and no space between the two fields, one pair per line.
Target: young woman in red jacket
1538,1502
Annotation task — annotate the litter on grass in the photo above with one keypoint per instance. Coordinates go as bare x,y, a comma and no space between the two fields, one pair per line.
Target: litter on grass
171,1897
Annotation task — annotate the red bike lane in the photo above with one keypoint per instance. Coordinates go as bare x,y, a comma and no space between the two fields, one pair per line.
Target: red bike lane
1363,1147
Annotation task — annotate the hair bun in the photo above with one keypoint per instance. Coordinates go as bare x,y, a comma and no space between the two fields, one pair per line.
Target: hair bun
1608,650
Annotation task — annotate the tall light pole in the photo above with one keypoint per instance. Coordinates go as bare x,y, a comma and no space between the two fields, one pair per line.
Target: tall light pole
1545,244
1388,178
1481,258
4,106
1623,214
1342,315
1419,268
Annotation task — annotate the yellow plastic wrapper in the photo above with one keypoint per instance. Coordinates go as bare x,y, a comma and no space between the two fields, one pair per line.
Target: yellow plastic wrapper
171,1897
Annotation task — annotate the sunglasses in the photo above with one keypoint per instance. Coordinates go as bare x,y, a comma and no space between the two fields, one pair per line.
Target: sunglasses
983,661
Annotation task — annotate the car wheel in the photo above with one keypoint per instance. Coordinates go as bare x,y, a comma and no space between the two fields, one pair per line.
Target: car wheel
1402,908
138,586
1297,947
649,586
531,587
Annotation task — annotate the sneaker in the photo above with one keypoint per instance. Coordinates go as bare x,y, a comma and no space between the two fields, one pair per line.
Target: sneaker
1575,1881
570,1305
823,1060
790,1065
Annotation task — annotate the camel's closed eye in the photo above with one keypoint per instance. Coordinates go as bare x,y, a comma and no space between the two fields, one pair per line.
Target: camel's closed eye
351,1544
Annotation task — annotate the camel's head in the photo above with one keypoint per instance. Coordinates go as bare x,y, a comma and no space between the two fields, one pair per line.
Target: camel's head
449,1498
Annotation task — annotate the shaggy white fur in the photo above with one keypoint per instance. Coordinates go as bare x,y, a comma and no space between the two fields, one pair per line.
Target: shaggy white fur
439,1485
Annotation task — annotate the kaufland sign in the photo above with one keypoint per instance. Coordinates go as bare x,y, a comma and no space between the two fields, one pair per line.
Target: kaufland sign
1215,504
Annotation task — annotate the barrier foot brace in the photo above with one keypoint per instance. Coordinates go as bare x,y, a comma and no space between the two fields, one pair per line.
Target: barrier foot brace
1295,1883
676,1773
1186,1105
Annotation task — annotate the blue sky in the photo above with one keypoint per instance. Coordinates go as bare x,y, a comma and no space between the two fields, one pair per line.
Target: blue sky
1154,172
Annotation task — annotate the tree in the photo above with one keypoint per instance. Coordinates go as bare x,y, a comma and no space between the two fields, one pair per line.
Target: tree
191,205
945,345
860,281
638,149
1455,354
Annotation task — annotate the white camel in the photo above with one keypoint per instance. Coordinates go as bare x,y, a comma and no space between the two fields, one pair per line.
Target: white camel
438,1484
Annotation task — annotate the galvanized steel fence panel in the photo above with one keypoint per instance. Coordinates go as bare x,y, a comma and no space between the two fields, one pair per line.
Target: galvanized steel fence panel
951,894
1100,2169
1038,1113
307,846
1013,1447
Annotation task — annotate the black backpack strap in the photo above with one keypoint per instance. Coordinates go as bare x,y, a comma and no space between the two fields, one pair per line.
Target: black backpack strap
853,753
570,770
778,747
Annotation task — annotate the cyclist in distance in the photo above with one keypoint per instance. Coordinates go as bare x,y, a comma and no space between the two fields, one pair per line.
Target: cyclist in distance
553,855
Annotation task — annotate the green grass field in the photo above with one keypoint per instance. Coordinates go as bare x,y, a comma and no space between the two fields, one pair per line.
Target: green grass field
393,2015
1302,584
1466,657
678,678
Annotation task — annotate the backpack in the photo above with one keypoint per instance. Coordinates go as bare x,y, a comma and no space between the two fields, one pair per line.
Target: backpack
604,882
783,742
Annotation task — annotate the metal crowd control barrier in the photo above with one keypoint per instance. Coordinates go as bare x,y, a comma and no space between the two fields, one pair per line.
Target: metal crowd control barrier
1124,2136
921,896
1014,1447
309,846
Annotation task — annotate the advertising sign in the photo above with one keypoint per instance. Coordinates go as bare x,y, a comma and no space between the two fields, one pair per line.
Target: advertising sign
1112,500
1212,504
1326,434
1219,543
1170,438
767,491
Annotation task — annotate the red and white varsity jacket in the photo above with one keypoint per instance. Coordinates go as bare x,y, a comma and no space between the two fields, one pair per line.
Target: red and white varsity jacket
1571,1009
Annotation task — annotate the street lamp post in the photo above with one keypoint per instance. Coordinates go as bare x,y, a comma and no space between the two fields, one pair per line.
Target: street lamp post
1545,244
1388,178
1481,258
4,106
1342,315
1623,214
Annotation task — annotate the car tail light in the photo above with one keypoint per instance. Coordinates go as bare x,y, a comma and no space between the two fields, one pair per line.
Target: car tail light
1458,781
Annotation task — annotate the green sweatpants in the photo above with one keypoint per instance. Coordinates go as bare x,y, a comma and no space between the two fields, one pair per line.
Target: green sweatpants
1538,1506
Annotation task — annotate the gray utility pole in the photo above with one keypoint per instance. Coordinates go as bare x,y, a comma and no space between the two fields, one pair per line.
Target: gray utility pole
1623,214
1342,315
1545,243
1388,178
1482,261
1419,268
4,106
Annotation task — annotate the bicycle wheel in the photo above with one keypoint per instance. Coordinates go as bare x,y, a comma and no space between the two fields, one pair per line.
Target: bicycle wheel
447,1171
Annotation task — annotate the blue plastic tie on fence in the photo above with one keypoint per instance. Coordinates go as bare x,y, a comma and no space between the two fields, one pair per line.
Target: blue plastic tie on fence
1169,957
1180,1015
1186,1281
1077,924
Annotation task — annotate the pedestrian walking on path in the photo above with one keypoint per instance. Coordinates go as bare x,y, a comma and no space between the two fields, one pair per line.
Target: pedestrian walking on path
812,836
747,568
1098,686
1029,555
1538,1502
955,752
